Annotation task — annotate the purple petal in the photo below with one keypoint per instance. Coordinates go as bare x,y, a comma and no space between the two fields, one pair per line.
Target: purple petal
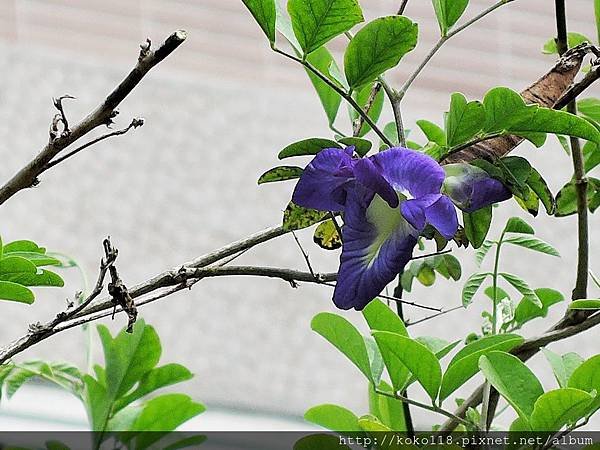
369,176
409,170
471,188
323,183
378,243
414,210
442,216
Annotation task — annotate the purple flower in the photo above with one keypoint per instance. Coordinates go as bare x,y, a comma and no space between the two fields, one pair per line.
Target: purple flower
471,188
387,200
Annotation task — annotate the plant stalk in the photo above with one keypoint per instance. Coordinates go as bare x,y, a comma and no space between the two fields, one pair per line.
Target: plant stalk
580,289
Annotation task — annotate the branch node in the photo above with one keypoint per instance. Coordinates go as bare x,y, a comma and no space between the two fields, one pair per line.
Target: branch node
145,49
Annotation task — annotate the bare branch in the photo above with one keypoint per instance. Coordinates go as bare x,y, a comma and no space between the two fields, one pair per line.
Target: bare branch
102,115
134,124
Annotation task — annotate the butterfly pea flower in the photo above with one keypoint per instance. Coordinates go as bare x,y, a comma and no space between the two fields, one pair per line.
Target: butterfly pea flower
387,200
471,188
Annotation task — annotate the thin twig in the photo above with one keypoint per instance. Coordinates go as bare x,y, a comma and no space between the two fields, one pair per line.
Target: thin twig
304,254
579,179
102,115
443,40
433,316
38,332
345,95
134,124
432,408
402,7
399,300
359,122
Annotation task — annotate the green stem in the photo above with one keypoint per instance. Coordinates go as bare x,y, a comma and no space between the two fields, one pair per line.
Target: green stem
443,39
432,408
487,390
345,95
580,289
408,422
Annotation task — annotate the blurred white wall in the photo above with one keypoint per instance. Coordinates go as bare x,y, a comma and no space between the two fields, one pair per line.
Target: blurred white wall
217,112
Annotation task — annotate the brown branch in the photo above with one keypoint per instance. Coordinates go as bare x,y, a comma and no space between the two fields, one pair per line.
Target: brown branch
548,91
102,115
526,350
38,332
134,124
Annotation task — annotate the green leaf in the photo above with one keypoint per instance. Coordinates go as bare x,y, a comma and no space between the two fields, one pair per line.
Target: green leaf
477,225
333,417
513,380
280,173
391,132
15,292
372,424
464,119
521,286
585,304
296,217
432,132
345,337
263,12
320,442
164,413
390,411
377,47
362,97
559,407
23,246
532,243
539,186
562,366
22,271
129,356
471,287
573,40
589,107
464,365
188,442
587,376
566,199
326,235
362,146
316,22
591,156
506,112
518,225
305,147
39,259
375,360
322,60
448,12
61,374
453,266
529,201
439,347
381,318
527,310
97,403
153,380
283,24
482,251
419,360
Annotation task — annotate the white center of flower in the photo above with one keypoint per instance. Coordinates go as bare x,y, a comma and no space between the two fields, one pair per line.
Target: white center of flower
387,221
